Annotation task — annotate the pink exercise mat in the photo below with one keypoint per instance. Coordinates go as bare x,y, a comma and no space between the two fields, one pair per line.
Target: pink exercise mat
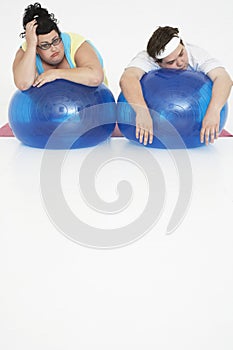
5,131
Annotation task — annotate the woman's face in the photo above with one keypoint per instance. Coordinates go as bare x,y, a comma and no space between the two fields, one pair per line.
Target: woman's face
50,48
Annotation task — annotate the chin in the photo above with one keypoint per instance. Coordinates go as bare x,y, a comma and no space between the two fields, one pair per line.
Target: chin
55,63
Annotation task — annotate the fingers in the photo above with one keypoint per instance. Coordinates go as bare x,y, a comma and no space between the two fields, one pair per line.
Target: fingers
213,135
39,82
137,131
208,135
151,135
31,25
144,136
36,83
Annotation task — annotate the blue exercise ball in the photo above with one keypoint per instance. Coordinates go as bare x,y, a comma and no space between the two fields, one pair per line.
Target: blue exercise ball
62,114
177,100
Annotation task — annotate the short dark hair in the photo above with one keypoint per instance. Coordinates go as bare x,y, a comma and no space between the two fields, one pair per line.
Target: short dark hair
45,20
159,40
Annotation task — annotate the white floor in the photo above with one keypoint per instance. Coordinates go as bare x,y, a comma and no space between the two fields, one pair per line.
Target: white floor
159,292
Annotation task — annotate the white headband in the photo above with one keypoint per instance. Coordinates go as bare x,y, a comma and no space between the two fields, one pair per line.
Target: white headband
169,48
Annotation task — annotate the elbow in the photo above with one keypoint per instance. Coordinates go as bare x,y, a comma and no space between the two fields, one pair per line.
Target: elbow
96,79
22,85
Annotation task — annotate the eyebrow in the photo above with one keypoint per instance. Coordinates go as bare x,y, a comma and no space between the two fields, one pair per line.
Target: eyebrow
47,42
181,51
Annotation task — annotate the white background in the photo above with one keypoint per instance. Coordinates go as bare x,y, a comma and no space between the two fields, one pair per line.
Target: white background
120,30
162,292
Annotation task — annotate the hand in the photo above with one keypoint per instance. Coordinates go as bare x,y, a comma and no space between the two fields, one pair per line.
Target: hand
46,77
30,33
144,126
210,128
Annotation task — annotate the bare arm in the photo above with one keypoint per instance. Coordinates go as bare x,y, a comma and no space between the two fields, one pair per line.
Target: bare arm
131,88
24,65
222,84
88,71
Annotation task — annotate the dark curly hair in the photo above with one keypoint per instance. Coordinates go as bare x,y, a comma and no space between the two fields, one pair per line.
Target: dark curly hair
159,40
45,20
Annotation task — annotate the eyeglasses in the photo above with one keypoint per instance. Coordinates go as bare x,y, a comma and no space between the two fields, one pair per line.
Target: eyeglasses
46,46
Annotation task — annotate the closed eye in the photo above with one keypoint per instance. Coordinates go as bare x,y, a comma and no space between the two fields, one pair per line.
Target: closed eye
170,62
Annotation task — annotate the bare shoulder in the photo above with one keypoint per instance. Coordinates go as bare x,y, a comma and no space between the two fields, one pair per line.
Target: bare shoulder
86,54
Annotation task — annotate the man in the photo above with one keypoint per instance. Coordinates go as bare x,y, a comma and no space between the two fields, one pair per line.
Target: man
165,49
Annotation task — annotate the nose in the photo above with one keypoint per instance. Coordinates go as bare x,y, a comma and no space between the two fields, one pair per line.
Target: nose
179,62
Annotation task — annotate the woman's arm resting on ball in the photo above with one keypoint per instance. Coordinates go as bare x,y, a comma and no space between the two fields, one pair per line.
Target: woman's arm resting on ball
131,88
221,88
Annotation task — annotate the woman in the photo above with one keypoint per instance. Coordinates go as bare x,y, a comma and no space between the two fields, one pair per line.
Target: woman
47,54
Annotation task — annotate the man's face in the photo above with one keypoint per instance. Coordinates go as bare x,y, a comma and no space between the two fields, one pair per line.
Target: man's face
178,59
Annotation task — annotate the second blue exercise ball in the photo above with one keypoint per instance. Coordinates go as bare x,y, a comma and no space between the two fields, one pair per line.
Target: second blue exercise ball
67,114
177,100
